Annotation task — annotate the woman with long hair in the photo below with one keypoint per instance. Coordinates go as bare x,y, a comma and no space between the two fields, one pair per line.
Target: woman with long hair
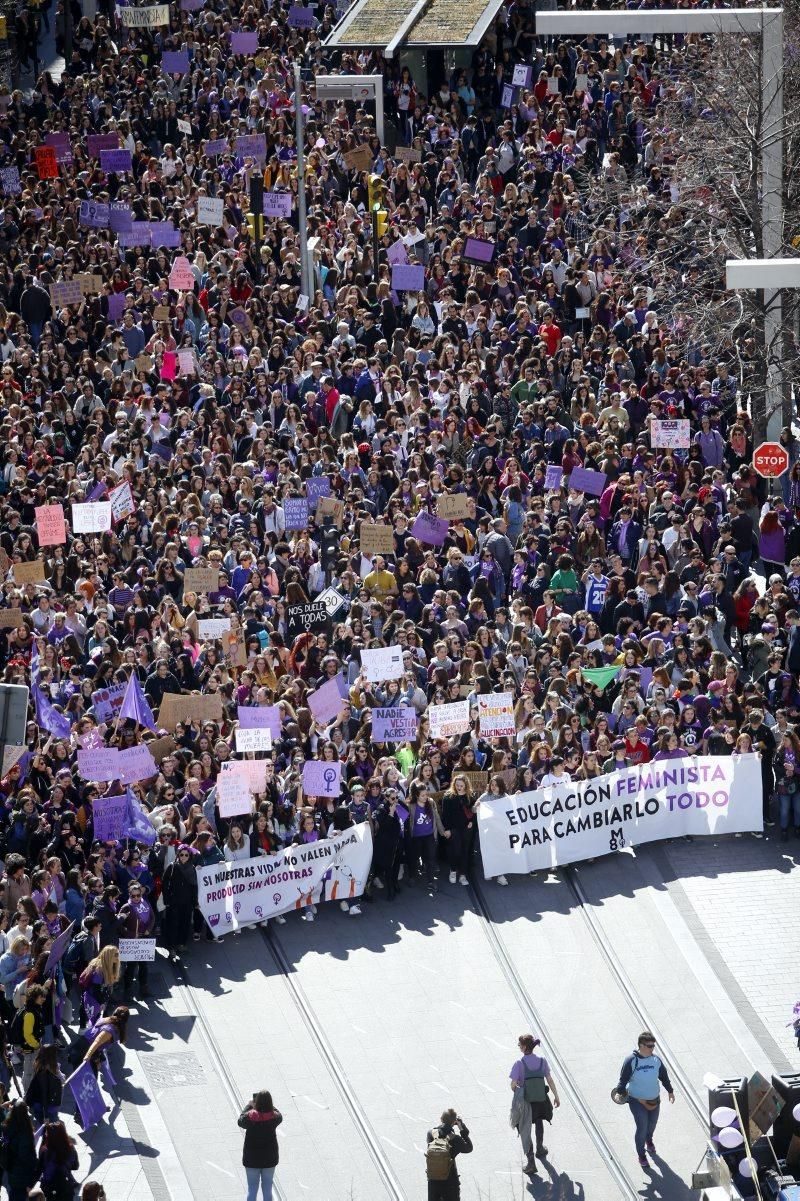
45,1090
58,1159
97,981
21,1164
260,1155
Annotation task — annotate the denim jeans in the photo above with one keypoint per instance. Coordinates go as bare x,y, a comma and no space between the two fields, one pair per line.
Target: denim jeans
646,1121
790,807
262,1176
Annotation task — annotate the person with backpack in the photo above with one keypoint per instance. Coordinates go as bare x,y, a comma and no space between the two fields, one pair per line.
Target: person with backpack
640,1080
259,1121
532,1077
446,1141
27,1030
46,1089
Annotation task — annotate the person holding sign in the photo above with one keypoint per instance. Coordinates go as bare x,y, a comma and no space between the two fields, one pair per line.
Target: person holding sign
136,920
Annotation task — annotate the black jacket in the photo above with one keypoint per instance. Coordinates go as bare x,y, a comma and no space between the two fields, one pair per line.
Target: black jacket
260,1140
180,885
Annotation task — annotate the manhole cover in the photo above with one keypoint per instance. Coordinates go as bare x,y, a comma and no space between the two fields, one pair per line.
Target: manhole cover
173,1071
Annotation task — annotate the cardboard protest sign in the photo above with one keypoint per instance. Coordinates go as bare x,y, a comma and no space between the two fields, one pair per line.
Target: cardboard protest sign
496,715
193,708
406,154
90,284
51,528
161,747
309,618
430,529
30,572
477,781
359,159
11,619
375,539
448,720
329,506
382,663
65,292
143,18
321,778
201,579
450,508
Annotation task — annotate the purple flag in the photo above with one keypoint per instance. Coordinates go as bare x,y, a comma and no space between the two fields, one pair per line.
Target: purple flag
88,1097
58,948
135,706
138,825
48,717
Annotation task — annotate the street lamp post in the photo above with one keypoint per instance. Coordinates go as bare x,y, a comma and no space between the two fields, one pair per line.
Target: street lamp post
769,23
771,276
306,279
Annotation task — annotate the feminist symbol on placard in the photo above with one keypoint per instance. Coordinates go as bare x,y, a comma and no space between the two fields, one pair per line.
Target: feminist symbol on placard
329,775
236,907
616,840
276,897
259,912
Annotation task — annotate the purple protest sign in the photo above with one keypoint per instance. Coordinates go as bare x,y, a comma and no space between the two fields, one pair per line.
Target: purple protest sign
119,217
552,478
164,233
137,235
175,62
393,725
58,948
108,817
88,1098
301,18
295,511
430,529
62,145
116,306
9,177
93,214
317,486
136,763
115,161
191,6
397,253
321,778
96,142
584,480
408,277
244,43
277,204
326,702
214,147
263,717
251,145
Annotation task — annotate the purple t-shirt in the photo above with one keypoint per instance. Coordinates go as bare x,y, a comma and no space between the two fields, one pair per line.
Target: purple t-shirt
533,1063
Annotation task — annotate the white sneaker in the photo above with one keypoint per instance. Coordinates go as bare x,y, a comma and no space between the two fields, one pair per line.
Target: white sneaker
501,880
452,877
280,919
377,882
308,916
463,880
355,910
343,905
313,909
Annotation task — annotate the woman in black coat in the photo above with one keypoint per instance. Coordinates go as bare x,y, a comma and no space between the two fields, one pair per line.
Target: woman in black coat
22,1164
387,843
179,891
260,1156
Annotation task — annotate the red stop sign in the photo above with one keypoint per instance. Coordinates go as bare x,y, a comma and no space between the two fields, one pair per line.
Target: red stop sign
771,460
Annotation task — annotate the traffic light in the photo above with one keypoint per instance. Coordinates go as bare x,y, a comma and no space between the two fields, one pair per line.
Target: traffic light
380,222
329,547
255,225
377,192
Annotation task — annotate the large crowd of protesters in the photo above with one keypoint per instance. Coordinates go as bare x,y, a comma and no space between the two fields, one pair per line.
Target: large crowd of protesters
495,381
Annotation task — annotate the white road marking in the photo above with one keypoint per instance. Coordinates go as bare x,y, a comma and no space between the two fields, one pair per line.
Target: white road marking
219,1169
495,1043
402,1150
486,1086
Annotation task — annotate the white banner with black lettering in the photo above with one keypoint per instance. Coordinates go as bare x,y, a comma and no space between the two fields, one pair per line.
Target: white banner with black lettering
587,818
232,895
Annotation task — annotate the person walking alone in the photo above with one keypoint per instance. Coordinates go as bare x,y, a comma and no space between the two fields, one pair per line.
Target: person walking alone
259,1121
640,1080
445,1141
531,1074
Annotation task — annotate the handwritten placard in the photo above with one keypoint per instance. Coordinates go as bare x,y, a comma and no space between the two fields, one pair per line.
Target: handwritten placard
92,517
51,528
451,508
375,539
200,579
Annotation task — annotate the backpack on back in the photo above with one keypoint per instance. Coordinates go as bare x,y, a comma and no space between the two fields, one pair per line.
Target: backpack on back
438,1158
15,1034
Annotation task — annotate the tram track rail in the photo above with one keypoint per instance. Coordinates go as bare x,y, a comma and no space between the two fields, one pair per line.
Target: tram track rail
353,1106
189,995
571,877
629,1188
